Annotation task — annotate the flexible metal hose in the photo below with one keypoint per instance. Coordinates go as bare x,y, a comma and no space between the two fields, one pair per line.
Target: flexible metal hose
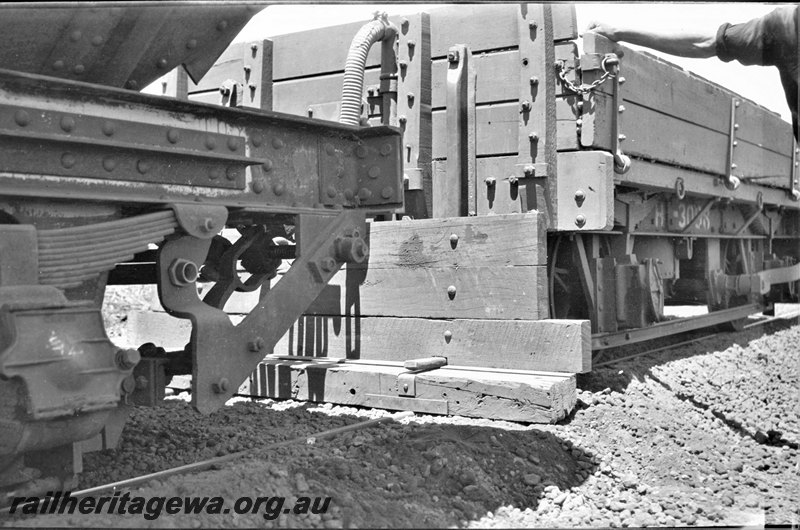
380,29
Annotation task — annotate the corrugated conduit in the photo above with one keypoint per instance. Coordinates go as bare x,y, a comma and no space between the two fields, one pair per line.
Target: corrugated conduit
379,30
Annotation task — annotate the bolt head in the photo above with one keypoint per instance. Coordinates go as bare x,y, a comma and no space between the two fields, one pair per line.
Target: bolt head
580,196
451,291
580,220
128,358
621,80
448,335
490,181
453,240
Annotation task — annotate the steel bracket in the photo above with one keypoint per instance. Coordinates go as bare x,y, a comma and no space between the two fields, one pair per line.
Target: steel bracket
406,385
215,377
729,179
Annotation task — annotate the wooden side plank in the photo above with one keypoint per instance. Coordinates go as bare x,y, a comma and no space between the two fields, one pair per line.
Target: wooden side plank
656,84
544,345
482,26
508,396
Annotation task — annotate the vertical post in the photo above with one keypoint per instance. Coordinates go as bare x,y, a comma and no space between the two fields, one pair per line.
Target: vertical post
454,195
536,157
414,111
257,75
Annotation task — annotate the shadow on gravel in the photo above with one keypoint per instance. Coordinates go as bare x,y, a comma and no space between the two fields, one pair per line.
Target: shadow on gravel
441,475
388,475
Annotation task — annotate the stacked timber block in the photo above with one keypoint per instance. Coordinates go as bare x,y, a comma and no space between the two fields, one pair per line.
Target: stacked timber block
471,290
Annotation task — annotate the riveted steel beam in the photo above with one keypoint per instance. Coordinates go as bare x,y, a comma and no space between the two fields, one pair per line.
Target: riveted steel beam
98,143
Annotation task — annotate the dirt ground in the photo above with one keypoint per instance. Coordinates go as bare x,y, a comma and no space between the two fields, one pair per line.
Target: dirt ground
705,435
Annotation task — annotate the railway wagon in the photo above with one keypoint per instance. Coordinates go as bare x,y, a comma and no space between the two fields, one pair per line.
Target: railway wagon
94,175
559,201
528,234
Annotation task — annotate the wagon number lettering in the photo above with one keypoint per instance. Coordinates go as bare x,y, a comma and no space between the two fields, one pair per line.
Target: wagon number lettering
687,212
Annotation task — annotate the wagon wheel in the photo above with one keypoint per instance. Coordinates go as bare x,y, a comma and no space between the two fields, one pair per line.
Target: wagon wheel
565,290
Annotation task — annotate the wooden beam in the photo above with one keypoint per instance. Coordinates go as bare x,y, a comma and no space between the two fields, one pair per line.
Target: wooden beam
511,396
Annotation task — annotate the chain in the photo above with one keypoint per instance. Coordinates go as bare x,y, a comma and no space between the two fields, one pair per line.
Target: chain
610,69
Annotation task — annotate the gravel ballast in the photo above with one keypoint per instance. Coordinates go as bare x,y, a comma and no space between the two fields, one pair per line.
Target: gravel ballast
702,435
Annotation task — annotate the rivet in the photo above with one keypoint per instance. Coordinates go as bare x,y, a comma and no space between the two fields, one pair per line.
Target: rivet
246,68
532,24
208,225
622,108
132,84
254,47
215,173
411,43
67,123
162,63
402,120
534,137
58,65
331,191
734,166
108,128
580,196
22,118
310,112
529,170
622,137
191,44
621,80
233,144
526,106
402,64
257,140
277,143
252,86
490,181
231,173
448,335
735,143
79,69
387,192
278,188
97,40
75,36
349,195
736,126
143,166
258,185
109,163
173,136
580,220
386,149
267,165
453,240
210,142
223,25
404,24
410,97
451,291
220,386
256,344
68,160
737,103
534,81
374,172
330,150
327,264
361,151
364,194
579,106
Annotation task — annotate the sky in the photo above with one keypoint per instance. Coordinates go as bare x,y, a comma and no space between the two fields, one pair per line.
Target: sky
759,84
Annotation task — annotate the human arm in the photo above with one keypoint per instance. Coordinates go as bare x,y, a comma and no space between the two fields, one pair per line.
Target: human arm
683,43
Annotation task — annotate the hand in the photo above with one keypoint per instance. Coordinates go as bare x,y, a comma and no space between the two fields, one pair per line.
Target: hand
603,29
